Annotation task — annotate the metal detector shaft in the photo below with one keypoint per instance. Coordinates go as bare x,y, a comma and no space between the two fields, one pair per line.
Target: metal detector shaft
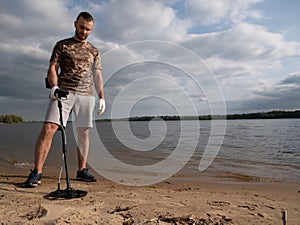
61,94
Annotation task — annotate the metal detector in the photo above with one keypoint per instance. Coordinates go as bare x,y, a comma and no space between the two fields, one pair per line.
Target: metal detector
69,192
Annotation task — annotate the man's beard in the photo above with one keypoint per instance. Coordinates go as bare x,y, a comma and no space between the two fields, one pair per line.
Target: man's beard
79,37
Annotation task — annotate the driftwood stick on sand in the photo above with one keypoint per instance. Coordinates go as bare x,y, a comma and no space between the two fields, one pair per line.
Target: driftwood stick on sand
284,217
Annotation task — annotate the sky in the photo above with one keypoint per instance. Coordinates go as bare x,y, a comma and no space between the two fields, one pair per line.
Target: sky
168,57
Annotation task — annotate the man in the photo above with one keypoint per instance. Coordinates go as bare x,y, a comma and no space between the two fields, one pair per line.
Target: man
80,71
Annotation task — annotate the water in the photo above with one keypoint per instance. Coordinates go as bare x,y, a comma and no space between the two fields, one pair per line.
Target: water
252,150
262,148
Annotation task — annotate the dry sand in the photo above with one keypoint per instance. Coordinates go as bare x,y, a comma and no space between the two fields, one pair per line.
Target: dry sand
175,201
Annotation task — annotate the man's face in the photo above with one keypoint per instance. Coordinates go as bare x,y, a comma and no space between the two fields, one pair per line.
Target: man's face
83,28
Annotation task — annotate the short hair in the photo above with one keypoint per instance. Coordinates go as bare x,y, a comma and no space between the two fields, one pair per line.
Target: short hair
86,16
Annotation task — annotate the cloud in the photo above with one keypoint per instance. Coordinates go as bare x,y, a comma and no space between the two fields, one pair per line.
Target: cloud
154,83
242,10
240,58
32,20
247,49
282,89
128,21
221,13
293,79
207,13
270,95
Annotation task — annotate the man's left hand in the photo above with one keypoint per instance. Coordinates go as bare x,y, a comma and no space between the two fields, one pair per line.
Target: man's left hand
102,106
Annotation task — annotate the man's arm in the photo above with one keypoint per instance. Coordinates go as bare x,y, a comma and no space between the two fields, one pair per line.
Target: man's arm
98,79
52,73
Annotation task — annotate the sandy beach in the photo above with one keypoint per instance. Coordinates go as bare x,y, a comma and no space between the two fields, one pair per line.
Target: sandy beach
175,201
261,188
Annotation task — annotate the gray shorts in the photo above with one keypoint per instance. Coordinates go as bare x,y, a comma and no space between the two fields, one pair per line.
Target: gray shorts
81,106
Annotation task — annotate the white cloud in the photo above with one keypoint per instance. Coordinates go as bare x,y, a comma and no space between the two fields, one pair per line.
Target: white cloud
128,21
28,20
241,11
270,95
207,12
245,49
222,13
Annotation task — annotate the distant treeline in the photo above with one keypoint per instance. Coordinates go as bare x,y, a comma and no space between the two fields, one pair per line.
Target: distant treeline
267,115
258,115
11,119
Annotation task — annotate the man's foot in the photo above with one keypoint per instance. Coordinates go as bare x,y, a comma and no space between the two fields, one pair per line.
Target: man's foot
34,179
84,175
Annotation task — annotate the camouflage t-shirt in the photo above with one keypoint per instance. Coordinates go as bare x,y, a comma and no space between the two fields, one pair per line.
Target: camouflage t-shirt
77,60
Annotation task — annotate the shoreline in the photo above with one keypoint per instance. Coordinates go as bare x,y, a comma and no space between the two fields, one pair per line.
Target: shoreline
187,173
174,200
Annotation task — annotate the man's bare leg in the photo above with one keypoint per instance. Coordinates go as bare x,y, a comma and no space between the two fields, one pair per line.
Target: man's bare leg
43,145
83,144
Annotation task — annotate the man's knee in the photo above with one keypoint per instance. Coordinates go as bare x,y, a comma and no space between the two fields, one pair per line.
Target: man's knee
83,132
49,128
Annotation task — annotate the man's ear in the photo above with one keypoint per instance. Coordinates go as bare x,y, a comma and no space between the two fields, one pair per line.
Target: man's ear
75,24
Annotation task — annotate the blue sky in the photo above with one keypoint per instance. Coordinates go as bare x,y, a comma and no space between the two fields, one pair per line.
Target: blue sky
204,55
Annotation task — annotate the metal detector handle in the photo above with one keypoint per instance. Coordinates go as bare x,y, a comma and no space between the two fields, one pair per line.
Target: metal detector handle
61,93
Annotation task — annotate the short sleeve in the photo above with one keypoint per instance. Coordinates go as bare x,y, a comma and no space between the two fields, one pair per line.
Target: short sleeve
56,53
97,62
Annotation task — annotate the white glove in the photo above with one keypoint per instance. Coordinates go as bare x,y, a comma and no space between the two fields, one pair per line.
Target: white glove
52,92
102,106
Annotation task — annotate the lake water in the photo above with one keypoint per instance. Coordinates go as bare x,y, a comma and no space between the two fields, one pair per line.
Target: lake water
252,150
